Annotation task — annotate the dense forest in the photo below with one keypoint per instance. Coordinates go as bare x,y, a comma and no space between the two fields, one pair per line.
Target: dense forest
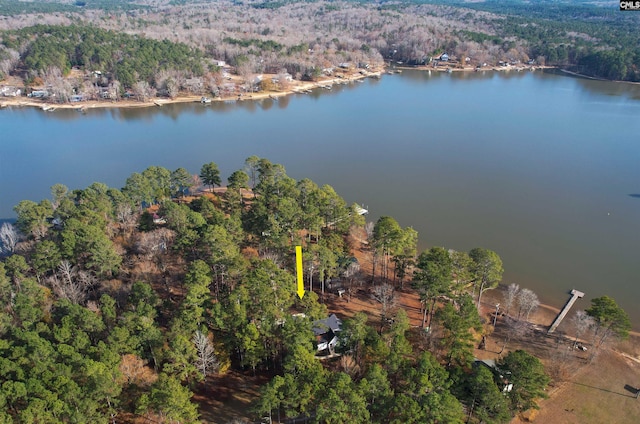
176,46
589,38
128,58
17,7
118,303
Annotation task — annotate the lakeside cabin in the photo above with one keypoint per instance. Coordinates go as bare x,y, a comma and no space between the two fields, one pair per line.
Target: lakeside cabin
7,91
38,94
507,386
325,331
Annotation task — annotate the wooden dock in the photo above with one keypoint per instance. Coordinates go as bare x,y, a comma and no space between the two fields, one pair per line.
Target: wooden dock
575,295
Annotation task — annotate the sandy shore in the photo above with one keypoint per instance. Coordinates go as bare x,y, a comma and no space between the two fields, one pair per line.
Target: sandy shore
296,87
445,68
543,315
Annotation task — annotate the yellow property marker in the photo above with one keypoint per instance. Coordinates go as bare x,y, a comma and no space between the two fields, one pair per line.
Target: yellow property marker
299,271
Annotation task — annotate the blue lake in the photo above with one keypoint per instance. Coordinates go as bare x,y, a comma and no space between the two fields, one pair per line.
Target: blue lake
541,168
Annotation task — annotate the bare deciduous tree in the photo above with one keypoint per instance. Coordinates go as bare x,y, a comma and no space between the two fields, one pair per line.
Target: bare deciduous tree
125,216
369,229
206,361
213,83
8,238
194,85
71,283
59,88
89,90
561,362
11,59
386,295
515,329
154,242
510,296
272,256
196,184
136,371
582,322
349,365
527,303
114,90
350,273
172,88
143,91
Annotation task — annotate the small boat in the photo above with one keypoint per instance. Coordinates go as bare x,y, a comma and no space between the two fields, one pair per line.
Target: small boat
205,100
449,70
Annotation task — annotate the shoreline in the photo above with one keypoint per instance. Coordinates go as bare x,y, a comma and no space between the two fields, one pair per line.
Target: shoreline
298,87
544,315
576,74
509,68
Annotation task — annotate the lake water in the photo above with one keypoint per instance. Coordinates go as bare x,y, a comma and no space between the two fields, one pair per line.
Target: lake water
542,168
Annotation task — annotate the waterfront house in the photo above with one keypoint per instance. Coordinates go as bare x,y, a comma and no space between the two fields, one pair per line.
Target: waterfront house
105,93
327,71
8,91
326,331
507,386
287,77
39,94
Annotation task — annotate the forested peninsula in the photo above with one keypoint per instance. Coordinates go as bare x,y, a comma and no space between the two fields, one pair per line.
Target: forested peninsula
108,51
133,304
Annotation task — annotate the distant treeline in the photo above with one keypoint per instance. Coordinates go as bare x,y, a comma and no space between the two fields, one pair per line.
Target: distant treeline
312,35
593,40
16,7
